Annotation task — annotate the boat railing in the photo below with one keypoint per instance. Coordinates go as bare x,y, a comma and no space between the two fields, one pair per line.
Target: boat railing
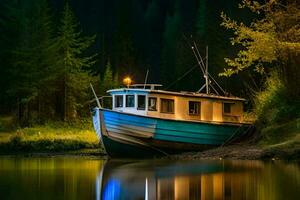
146,86
106,102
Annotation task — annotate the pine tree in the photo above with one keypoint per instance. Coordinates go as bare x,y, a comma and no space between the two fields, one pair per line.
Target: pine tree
29,60
116,82
74,65
107,81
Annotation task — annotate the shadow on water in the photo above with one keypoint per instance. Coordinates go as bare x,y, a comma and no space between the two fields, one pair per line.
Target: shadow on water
82,178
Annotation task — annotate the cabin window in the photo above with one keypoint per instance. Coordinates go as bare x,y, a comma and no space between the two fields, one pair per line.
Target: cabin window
130,101
227,108
119,101
141,102
194,107
167,105
152,104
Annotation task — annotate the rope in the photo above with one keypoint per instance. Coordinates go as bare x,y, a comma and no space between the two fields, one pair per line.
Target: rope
186,73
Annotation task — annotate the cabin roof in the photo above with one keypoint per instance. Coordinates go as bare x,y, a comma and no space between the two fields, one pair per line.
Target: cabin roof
183,93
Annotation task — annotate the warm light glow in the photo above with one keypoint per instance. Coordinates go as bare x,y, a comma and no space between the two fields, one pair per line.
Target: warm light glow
127,81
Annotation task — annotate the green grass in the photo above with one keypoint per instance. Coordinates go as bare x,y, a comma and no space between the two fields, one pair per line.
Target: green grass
52,137
282,140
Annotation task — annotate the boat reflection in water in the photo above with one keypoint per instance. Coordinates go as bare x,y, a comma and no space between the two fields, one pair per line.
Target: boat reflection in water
92,178
192,180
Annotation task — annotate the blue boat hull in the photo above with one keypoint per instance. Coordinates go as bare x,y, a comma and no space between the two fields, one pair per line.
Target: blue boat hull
128,135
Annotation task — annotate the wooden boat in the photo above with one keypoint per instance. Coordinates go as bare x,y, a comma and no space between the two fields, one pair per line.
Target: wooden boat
146,121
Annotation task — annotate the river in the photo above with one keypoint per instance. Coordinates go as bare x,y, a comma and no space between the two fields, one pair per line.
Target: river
90,178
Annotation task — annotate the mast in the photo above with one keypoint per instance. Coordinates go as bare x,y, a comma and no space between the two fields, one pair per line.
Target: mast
146,78
206,72
209,80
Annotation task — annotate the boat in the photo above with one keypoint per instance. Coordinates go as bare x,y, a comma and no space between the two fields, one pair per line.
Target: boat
146,121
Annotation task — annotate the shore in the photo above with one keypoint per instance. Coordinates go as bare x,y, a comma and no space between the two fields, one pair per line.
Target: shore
54,138
57,139
240,152
276,142
231,152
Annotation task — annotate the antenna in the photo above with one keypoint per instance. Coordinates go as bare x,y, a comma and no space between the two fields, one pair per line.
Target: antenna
204,68
146,78
209,80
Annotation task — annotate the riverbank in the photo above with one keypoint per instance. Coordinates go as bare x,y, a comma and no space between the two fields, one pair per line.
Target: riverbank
281,141
51,138
242,152
277,142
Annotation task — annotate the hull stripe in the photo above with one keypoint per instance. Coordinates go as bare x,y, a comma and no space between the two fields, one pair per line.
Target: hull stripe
128,132
176,127
140,127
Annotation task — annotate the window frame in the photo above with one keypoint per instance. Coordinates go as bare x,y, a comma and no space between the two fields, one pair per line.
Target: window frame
149,109
126,100
161,105
230,108
199,108
122,101
138,101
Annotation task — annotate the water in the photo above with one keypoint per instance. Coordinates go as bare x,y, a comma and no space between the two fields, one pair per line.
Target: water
85,178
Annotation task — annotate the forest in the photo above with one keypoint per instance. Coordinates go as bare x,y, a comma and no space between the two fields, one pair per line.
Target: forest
50,50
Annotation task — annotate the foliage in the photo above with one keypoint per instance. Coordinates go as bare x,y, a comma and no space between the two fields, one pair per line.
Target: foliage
40,81
267,40
272,105
107,80
39,64
270,44
74,75
29,63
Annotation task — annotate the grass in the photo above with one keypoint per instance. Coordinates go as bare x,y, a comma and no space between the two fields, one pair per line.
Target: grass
282,140
51,137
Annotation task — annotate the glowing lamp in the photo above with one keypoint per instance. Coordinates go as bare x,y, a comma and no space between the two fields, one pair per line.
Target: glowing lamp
127,81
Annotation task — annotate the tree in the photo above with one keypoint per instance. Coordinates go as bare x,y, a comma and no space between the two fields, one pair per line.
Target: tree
269,39
29,54
270,45
74,75
107,81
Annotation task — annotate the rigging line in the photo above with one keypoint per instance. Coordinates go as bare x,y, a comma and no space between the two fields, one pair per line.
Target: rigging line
186,73
198,61
199,55
193,49
188,42
216,83
214,89
201,88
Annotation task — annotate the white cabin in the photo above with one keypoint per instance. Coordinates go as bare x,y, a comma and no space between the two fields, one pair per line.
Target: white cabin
146,100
